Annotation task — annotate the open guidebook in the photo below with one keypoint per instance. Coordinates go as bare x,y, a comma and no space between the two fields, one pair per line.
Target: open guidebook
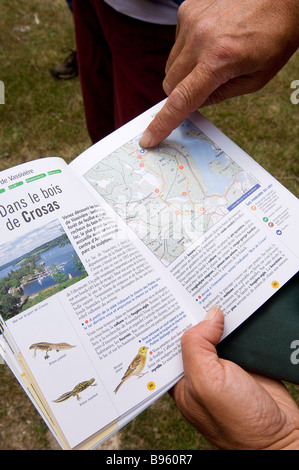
105,262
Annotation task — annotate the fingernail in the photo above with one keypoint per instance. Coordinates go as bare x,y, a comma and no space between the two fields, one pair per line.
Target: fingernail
212,312
146,139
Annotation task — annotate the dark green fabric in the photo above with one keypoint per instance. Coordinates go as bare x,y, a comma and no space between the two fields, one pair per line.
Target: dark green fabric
262,344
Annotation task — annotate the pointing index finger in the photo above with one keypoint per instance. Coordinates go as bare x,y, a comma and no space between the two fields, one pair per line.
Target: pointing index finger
167,119
186,97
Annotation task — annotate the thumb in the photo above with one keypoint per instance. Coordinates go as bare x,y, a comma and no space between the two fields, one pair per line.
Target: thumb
200,360
200,340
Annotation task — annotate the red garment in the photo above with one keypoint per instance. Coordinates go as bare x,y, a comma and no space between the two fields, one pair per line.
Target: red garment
121,64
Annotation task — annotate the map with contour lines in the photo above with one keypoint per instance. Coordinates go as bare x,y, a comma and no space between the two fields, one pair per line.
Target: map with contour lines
172,194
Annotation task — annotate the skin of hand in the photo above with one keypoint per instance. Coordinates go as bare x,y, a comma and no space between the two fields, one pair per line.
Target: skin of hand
223,48
232,408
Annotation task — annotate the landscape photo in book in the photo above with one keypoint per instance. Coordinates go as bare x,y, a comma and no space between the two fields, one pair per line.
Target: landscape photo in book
174,193
36,266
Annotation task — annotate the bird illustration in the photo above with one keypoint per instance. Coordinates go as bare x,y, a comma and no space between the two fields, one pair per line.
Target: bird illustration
135,367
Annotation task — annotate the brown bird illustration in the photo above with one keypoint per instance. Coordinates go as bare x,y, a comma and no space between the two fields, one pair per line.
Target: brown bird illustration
135,367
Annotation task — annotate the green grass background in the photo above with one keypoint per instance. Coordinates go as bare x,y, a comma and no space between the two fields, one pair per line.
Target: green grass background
44,117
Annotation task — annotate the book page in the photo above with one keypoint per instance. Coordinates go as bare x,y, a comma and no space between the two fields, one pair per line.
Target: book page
106,262
216,220
81,301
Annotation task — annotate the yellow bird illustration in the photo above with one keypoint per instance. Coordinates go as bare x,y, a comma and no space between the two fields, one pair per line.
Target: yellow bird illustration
136,366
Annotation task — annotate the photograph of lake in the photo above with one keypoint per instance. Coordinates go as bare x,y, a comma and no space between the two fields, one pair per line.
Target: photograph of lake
35,267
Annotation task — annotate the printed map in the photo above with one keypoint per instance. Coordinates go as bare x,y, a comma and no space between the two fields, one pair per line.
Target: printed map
172,194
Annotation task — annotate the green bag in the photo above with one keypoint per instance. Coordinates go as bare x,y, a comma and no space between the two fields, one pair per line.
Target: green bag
263,343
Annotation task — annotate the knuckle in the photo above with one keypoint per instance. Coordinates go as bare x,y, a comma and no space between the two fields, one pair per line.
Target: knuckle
162,118
227,53
187,337
224,50
183,12
181,99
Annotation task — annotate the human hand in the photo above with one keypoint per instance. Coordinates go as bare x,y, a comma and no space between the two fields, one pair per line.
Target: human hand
233,409
223,48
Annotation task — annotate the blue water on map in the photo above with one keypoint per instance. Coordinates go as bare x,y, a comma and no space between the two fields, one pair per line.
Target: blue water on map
203,154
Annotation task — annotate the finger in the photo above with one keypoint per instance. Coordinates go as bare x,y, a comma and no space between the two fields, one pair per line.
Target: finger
200,341
238,86
202,366
188,96
180,38
177,70
175,52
